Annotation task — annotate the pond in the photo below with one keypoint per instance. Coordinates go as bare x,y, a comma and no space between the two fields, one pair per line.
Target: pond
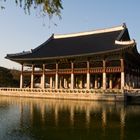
46,119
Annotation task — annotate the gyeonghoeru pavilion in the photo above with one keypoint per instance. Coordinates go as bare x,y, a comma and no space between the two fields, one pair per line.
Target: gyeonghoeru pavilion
100,59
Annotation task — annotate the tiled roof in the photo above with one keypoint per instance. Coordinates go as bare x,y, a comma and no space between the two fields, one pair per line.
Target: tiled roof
77,44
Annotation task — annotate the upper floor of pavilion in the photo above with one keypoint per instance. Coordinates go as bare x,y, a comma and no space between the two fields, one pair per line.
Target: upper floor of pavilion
97,44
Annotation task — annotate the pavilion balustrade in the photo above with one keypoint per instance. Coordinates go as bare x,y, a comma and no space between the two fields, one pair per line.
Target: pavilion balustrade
96,70
113,69
76,71
64,71
57,77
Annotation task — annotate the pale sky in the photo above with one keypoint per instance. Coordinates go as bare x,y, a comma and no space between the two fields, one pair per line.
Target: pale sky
22,32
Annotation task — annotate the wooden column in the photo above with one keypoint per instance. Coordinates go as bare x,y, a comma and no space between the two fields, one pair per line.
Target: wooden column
65,82
51,82
32,77
122,74
21,76
60,82
104,75
110,81
56,77
81,82
88,75
72,75
96,81
127,80
43,77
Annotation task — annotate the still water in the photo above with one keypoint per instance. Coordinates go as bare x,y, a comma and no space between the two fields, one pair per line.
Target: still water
42,119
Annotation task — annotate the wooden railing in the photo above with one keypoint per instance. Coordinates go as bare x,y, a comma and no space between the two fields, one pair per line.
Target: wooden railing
96,70
113,69
48,72
76,71
80,70
64,71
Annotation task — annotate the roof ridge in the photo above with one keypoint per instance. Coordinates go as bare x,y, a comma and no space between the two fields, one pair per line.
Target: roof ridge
98,31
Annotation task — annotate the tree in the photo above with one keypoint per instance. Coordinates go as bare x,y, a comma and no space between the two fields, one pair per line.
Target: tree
50,7
9,78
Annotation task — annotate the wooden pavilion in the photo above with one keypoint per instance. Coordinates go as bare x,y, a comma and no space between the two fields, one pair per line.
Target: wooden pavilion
100,59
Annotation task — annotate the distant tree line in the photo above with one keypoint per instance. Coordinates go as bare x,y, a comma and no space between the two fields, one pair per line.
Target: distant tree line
9,78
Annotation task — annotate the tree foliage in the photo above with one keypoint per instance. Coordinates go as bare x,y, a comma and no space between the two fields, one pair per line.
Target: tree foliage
50,7
9,78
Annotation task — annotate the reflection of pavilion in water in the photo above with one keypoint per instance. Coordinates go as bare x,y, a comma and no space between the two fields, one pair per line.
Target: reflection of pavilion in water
73,119
68,114
72,110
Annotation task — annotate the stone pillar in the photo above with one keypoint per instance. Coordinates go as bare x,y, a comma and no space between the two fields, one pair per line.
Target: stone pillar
127,81
51,82
21,77
60,82
104,80
110,81
122,74
88,80
43,77
32,77
72,81
122,80
64,82
96,81
81,83
104,75
56,77
56,81
72,76
88,75
67,80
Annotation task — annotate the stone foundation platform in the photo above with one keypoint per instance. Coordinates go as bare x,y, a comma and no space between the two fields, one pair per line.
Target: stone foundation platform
76,94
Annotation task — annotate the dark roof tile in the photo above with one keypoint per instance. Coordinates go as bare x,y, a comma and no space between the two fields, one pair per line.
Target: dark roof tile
77,45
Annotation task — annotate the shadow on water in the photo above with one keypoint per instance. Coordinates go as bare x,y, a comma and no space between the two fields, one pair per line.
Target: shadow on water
43,119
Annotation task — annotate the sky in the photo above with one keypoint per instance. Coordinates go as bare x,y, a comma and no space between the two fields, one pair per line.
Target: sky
23,32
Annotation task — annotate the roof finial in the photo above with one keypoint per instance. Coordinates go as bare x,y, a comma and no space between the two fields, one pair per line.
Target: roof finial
124,25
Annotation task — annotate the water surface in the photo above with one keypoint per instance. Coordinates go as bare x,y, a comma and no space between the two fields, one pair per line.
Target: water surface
42,119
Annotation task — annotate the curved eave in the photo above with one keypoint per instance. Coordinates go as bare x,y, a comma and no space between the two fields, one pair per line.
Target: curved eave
108,52
130,42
